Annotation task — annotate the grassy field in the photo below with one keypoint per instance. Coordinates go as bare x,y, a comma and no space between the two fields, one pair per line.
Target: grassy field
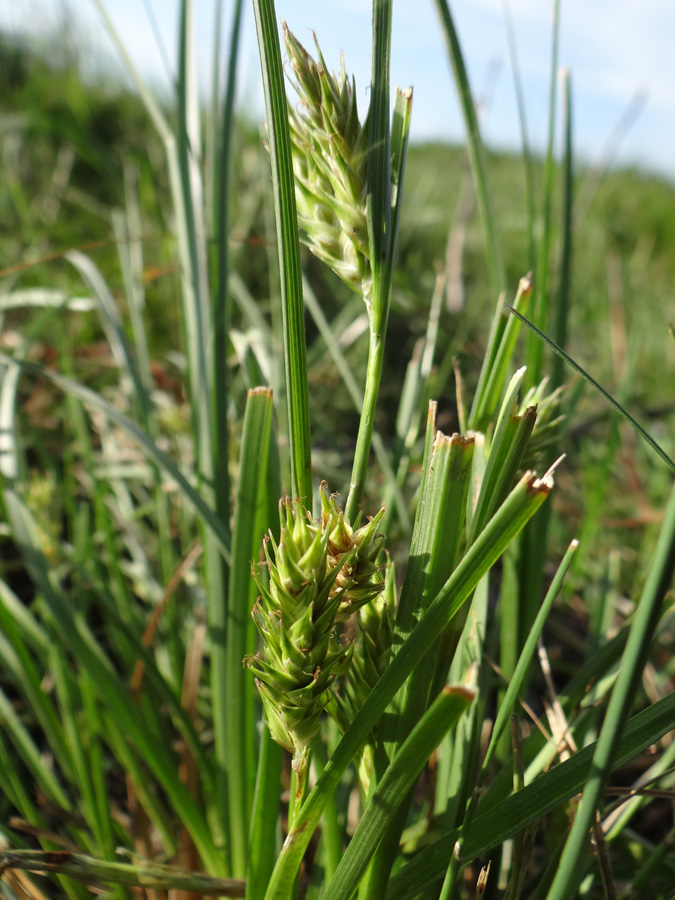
142,310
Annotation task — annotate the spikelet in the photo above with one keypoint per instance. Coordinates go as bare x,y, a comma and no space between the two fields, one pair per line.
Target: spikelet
320,572
330,149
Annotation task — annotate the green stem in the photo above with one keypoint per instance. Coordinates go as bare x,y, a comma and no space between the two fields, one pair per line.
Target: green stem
366,425
381,241
148,876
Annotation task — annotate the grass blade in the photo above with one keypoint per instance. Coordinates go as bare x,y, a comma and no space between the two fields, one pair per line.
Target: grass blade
379,165
397,780
571,868
145,875
541,290
295,354
234,743
147,445
522,120
475,148
563,304
497,822
380,238
433,556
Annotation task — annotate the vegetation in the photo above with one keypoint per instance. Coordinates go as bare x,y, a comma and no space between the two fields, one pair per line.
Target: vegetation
463,657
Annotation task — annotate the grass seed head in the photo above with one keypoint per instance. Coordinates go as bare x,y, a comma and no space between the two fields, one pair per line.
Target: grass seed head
320,572
330,150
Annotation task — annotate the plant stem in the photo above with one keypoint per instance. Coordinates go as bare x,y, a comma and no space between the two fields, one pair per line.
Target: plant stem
366,425
381,242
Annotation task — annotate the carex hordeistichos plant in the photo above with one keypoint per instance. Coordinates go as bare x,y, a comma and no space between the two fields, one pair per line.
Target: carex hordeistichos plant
321,571
348,180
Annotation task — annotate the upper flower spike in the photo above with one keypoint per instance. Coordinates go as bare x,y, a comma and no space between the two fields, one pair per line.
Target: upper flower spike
330,150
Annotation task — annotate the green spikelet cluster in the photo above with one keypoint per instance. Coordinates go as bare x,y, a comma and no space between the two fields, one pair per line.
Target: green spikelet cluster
329,162
320,572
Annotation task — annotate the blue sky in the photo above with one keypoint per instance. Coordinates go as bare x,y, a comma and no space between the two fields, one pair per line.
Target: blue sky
616,50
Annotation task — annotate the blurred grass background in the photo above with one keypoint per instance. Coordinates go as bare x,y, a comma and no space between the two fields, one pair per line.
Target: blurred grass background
74,146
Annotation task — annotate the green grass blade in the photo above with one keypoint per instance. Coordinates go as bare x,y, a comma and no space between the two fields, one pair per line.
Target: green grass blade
490,485
31,631
497,359
433,555
69,702
659,580
617,406
80,641
497,822
152,802
525,141
508,703
475,148
146,876
540,306
147,445
152,106
400,134
113,328
231,683
114,694
30,754
97,767
182,169
563,300
16,659
295,354
213,477
14,787
379,166
220,254
264,823
397,780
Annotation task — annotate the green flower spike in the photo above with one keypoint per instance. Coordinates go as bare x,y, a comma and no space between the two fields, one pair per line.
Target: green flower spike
319,573
354,553
329,162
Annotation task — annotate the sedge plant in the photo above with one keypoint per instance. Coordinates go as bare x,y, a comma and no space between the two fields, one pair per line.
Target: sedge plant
222,682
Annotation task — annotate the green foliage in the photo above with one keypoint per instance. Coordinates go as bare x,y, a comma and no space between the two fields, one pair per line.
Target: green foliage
150,431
